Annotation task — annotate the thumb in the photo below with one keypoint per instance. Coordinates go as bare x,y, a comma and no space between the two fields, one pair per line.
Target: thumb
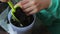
18,5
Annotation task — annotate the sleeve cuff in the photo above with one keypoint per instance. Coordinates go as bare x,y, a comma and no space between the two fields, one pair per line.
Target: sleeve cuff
53,5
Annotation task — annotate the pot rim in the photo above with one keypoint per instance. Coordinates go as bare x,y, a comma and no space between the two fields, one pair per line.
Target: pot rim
9,16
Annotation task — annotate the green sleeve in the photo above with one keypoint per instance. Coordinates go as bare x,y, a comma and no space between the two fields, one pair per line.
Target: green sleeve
54,8
52,13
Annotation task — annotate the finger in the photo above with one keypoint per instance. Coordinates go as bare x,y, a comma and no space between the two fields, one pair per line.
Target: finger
18,4
21,3
32,7
31,3
28,4
32,12
24,1
29,9
35,10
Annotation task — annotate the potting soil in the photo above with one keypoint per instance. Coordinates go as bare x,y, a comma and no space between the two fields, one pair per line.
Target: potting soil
24,19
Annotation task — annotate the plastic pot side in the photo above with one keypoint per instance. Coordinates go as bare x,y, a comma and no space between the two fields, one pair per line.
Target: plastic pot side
21,30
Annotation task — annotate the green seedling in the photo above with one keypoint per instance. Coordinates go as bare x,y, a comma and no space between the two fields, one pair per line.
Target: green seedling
14,10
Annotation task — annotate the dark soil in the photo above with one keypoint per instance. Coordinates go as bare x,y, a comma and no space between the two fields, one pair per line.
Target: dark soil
24,19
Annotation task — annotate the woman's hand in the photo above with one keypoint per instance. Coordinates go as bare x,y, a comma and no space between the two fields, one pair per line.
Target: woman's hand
3,0
33,6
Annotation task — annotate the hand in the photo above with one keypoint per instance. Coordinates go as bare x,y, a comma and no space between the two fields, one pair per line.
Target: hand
3,0
33,6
